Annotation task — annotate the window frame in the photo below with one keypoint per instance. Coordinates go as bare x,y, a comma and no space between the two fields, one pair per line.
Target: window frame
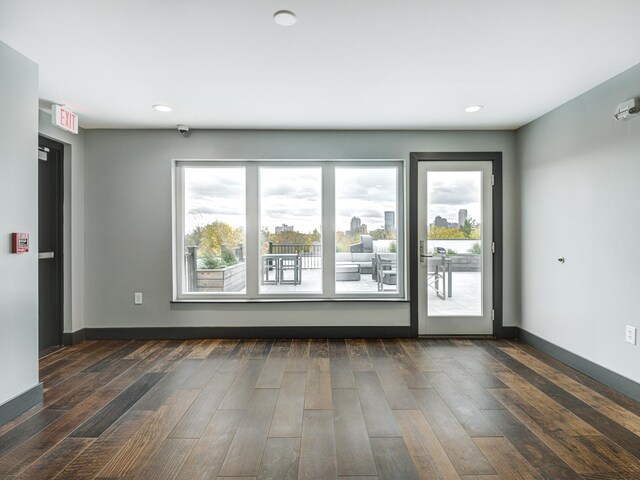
252,231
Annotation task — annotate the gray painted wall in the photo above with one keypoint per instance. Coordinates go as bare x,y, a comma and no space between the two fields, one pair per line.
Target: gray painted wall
128,220
19,213
73,219
581,199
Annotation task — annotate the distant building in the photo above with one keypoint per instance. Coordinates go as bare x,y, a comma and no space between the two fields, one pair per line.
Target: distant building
357,227
441,222
284,228
389,221
462,216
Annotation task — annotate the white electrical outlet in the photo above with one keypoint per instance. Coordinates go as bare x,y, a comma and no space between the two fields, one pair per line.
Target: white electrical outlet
631,334
137,298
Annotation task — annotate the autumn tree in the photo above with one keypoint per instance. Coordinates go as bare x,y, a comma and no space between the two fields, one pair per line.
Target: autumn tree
344,239
193,239
215,234
382,234
444,233
303,240
468,228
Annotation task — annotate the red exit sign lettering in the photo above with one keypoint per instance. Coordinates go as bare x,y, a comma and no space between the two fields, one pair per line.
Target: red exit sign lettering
64,118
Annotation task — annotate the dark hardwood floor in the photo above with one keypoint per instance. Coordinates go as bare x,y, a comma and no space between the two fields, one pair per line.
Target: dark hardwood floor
316,409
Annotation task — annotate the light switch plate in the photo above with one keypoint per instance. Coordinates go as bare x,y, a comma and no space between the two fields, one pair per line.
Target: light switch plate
137,298
631,334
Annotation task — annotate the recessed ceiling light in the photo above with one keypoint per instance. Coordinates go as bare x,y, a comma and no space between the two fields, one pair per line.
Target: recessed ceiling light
285,18
473,108
163,108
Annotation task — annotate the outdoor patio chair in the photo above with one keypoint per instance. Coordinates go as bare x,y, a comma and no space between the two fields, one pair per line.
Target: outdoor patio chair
365,245
435,274
386,272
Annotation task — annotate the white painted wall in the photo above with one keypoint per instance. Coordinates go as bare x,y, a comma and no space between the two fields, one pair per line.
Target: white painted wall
73,219
128,220
19,213
580,185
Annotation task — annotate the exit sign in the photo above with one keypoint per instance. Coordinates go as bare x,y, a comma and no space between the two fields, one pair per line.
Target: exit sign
64,118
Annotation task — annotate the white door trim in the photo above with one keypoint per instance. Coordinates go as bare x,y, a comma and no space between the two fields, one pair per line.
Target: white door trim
457,325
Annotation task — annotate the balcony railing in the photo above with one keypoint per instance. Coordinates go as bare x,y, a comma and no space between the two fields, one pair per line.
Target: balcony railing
310,254
310,257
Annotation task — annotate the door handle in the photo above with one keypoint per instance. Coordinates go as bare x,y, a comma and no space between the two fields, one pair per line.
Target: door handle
45,255
422,255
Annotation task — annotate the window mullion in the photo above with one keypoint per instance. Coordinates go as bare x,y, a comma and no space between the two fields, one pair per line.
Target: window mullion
253,230
401,228
328,231
178,251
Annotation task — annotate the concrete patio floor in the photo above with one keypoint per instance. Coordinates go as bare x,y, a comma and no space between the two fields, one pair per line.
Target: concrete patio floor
312,283
465,299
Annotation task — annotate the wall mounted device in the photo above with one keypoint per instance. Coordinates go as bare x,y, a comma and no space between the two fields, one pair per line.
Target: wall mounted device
184,130
19,242
627,109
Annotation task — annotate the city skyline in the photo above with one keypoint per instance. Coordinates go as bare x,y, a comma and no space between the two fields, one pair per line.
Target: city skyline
450,192
444,222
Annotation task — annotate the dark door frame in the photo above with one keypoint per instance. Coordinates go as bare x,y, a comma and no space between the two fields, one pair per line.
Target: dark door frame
499,330
59,147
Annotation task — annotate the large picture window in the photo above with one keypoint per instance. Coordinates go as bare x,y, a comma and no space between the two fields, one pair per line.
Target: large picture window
268,230
214,224
290,230
366,233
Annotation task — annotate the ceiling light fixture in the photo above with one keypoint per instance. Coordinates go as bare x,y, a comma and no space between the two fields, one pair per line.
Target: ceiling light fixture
163,108
285,18
473,108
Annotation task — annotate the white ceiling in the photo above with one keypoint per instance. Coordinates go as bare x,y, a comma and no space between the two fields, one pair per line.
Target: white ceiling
346,64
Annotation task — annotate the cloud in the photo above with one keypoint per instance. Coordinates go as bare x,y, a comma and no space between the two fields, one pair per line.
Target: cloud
290,212
366,183
214,190
217,209
297,190
207,184
454,188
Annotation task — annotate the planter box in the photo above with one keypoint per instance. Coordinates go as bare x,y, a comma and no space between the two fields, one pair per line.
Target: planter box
228,279
465,262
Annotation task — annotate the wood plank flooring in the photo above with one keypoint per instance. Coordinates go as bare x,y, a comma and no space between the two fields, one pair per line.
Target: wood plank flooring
319,409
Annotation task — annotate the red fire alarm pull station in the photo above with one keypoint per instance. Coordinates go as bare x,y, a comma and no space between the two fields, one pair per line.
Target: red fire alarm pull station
19,242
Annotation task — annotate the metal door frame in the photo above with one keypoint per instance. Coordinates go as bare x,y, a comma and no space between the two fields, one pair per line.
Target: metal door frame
499,331
59,147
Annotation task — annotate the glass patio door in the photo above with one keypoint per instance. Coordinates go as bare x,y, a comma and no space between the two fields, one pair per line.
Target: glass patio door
455,248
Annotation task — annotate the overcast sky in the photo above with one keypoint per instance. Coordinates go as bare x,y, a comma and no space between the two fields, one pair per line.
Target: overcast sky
289,195
365,193
214,194
448,192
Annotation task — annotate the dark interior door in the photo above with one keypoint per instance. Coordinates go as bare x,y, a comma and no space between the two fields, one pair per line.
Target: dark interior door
50,265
